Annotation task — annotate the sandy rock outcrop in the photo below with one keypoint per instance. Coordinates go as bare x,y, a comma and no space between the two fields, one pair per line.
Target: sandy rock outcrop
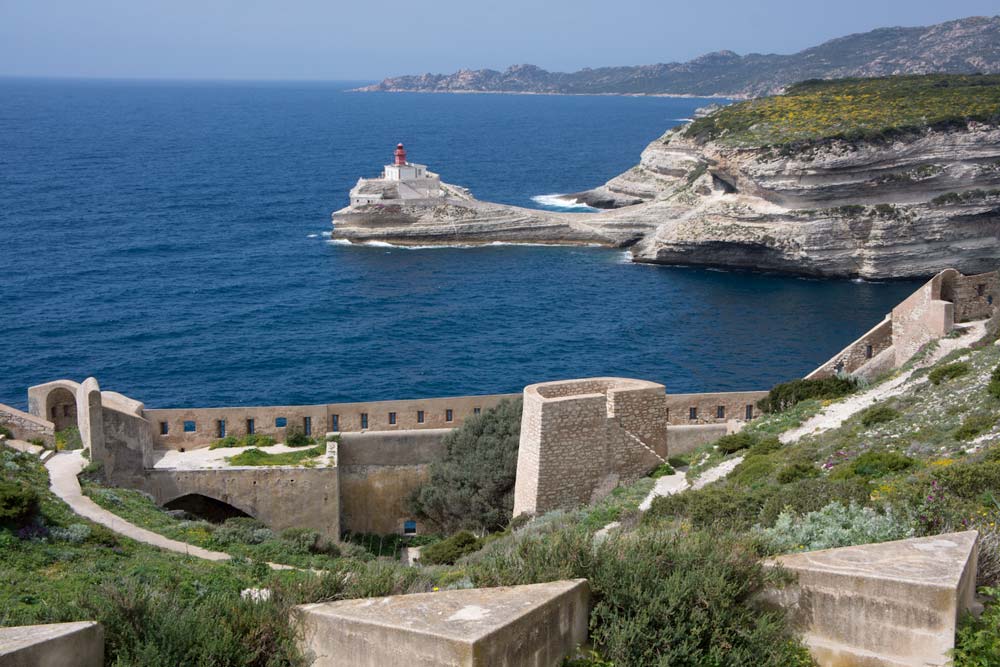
903,208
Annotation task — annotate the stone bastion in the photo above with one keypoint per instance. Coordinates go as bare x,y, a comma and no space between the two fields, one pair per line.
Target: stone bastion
582,438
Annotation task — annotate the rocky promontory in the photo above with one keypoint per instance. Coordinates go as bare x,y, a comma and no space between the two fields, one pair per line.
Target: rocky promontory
884,178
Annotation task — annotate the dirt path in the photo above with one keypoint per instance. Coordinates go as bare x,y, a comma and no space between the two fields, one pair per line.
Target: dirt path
836,414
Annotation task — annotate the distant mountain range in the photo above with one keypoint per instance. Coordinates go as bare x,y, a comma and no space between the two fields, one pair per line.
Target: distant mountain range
963,46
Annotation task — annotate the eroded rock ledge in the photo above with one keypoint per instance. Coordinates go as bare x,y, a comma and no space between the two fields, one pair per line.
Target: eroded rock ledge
891,209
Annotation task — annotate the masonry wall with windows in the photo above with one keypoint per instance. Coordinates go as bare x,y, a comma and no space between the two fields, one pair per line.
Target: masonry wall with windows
191,428
712,408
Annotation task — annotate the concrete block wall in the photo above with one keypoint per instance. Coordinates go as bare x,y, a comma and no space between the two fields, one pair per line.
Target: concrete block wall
582,438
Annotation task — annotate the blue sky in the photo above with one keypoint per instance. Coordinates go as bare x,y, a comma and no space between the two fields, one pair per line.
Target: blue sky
363,39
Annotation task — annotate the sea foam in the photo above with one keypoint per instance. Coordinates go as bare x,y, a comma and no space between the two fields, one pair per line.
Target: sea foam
561,201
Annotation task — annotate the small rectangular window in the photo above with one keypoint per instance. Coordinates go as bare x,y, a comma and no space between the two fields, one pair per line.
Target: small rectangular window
280,422
66,410
164,428
307,425
720,412
392,417
980,290
410,527
869,351
420,416
749,412
250,429
189,427
448,415
476,411
335,423
364,420
222,428
692,413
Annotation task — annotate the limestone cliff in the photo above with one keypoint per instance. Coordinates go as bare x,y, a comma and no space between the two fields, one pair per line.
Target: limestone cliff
883,203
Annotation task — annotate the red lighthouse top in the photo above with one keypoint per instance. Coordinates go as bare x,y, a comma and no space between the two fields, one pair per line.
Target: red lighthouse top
400,154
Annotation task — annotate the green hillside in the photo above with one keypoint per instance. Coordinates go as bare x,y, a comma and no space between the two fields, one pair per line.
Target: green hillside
854,109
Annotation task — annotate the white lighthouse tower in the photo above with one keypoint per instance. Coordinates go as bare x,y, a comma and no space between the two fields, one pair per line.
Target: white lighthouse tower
401,180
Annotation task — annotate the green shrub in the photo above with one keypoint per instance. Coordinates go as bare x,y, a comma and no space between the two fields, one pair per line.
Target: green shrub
258,457
788,394
753,470
878,414
671,599
249,440
242,530
447,551
977,642
765,446
874,465
812,494
296,437
970,480
833,526
68,439
793,472
679,461
994,386
472,485
662,470
18,503
948,372
76,533
6,432
727,505
734,442
975,425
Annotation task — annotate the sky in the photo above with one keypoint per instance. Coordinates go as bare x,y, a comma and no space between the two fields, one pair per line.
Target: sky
368,40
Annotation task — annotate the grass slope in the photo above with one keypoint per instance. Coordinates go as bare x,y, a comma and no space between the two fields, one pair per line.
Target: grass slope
854,110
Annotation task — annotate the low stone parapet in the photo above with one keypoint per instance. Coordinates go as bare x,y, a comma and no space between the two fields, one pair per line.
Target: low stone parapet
79,644
519,626
894,604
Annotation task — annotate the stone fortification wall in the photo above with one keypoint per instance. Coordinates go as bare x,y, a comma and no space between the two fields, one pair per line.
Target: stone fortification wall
378,472
713,408
859,353
581,438
923,317
683,440
25,426
281,497
975,297
421,413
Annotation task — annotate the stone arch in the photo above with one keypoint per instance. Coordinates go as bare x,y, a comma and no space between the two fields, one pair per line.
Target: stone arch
60,408
206,506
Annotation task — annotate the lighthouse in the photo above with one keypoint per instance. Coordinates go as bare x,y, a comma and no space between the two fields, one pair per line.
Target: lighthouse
400,181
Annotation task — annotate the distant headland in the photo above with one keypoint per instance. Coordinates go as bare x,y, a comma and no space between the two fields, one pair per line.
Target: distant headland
896,177
963,46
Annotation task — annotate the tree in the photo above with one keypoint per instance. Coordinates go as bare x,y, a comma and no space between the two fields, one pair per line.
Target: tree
471,487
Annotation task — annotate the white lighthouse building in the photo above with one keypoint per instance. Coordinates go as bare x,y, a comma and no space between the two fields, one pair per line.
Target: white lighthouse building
401,180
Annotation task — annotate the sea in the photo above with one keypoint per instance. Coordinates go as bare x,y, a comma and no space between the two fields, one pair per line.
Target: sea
172,240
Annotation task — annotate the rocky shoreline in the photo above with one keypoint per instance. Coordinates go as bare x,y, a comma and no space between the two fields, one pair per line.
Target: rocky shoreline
904,207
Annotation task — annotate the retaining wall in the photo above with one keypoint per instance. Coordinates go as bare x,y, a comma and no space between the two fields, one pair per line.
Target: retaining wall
25,426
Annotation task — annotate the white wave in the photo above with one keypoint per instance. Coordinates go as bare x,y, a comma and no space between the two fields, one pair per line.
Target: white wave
339,242
312,236
326,234
682,120
561,201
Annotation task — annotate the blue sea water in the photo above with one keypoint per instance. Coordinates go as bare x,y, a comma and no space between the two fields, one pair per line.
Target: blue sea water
168,238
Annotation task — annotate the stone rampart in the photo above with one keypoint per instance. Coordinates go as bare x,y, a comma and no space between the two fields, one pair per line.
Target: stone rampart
25,426
281,497
713,407
582,438
190,428
860,353
975,297
378,472
923,317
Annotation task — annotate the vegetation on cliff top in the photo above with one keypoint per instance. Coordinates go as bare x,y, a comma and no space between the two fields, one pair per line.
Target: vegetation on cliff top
854,110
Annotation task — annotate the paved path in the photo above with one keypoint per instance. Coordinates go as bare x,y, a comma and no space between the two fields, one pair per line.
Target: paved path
63,469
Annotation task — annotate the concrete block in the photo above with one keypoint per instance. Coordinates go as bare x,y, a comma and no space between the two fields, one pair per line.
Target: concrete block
882,605
79,644
519,626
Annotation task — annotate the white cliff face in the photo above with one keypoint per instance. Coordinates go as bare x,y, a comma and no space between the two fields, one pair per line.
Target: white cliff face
905,208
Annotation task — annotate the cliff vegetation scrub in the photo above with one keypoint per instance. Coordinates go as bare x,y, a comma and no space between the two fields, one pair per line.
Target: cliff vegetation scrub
258,457
789,394
250,440
854,110
472,486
